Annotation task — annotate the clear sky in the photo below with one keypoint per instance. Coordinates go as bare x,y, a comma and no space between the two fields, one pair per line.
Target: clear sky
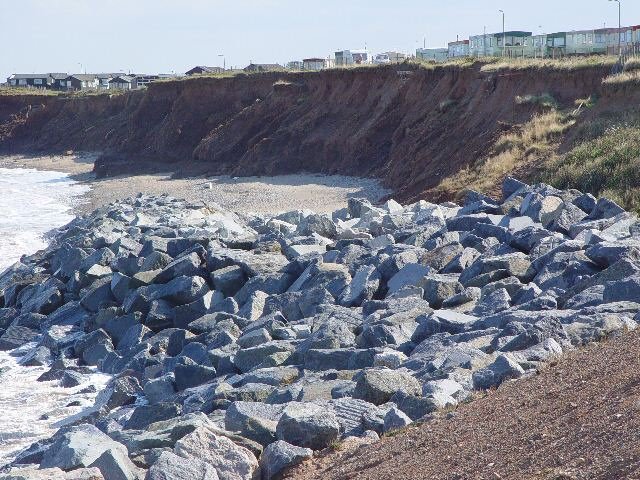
161,36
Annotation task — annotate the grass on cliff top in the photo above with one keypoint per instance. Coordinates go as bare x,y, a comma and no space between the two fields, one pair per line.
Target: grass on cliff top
566,64
18,91
14,92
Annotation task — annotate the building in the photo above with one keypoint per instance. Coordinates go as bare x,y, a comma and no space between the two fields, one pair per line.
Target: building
123,82
513,44
381,59
389,57
294,65
82,81
202,70
437,55
104,78
144,80
397,57
29,80
343,58
458,49
58,81
346,58
263,67
313,64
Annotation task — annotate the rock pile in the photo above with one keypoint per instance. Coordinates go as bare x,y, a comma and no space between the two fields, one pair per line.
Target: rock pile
239,345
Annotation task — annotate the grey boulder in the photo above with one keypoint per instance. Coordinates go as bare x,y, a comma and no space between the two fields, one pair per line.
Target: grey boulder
308,425
281,455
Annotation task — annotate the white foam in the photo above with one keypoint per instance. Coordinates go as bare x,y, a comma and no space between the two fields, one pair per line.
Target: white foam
32,410
32,203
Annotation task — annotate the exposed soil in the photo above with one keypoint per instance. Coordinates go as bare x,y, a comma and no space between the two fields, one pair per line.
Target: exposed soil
577,419
408,126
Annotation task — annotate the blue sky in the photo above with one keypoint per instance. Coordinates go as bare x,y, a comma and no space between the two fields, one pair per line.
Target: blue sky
173,35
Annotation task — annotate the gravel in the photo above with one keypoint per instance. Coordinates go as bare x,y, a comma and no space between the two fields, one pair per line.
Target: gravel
320,193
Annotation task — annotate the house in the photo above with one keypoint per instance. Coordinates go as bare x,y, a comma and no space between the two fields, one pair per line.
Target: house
313,64
459,48
437,55
343,58
381,59
167,76
144,80
123,82
351,57
58,81
104,78
389,57
202,70
263,67
481,45
82,81
396,57
294,65
29,80
514,44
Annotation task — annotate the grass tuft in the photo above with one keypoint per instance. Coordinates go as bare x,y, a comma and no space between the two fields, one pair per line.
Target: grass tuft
544,100
631,77
524,147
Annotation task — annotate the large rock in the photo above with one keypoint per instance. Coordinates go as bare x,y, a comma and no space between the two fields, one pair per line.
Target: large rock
79,447
254,420
437,288
187,376
16,336
504,368
411,275
188,265
363,286
170,466
268,354
228,280
377,386
308,425
281,455
122,391
231,461
114,464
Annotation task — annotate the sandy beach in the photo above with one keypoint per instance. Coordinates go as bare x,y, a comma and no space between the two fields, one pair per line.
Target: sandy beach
320,193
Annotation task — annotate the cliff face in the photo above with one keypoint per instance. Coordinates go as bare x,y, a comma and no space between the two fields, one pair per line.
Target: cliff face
409,127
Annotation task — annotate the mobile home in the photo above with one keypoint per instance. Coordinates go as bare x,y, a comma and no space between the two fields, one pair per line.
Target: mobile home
437,55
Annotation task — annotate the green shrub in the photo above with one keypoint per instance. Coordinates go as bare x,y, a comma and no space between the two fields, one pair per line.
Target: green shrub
608,165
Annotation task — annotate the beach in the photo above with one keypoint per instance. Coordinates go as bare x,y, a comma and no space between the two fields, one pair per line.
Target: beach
264,194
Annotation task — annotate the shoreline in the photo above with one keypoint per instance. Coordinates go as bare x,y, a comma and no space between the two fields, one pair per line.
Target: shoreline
263,194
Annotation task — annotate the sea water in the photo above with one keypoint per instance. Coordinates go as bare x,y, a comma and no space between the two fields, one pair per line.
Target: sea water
32,203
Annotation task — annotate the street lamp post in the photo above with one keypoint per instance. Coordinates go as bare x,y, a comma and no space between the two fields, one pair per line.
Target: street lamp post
619,25
504,35
224,62
484,42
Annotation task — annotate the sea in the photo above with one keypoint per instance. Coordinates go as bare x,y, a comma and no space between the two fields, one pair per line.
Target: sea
33,203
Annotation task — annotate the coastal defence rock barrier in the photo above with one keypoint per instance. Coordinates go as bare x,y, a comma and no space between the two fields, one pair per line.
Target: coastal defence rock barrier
241,344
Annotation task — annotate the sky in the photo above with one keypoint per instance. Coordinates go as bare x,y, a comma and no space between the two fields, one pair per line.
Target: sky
165,36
